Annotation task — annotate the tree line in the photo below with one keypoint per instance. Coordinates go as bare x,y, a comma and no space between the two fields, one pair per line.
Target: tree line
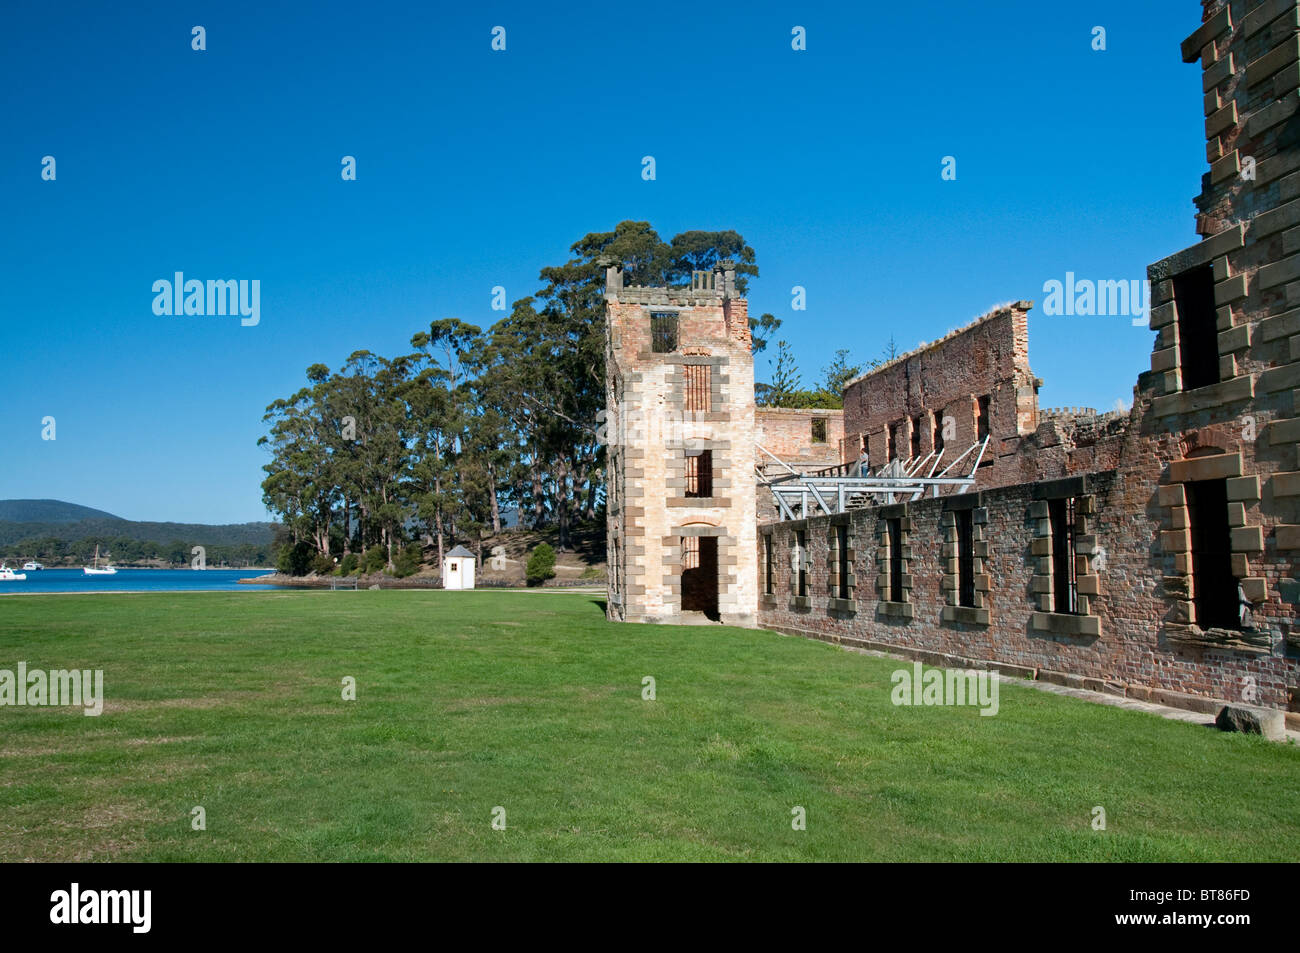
53,551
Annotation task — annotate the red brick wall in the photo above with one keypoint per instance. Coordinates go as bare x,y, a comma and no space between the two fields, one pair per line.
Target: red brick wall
788,434
1131,656
989,357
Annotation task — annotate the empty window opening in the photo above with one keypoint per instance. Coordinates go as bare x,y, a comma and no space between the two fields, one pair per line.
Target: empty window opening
894,529
982,418
894,439
842,561
700,575
801,555
936,428
1198,331
916,437
769,581
965,559
1065,579
699,388
1214,589
819,430
699,473
663,331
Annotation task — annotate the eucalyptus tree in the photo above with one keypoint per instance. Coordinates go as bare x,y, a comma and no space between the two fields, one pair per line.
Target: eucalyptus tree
438,394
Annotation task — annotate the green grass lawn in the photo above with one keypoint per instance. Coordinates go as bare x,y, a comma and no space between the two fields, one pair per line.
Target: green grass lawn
532,702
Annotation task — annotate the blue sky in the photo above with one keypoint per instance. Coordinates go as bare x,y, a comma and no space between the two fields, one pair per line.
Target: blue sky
476,168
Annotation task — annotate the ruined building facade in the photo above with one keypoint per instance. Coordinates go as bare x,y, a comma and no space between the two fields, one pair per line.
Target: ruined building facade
1149,553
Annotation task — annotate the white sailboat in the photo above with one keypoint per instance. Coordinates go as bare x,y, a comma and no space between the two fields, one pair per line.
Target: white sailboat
8,575
108,569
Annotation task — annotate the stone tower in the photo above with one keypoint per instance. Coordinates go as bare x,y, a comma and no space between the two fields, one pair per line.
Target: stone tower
682,523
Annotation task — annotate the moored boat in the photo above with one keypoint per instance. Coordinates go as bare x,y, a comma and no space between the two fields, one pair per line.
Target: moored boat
8,575
32,566
108,569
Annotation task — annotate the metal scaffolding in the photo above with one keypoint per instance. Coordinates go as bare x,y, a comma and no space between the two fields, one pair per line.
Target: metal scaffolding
843,487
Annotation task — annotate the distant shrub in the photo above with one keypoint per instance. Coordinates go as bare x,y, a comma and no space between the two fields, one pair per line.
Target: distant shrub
322,565
408,561
349,564
295,559
541,565
375,559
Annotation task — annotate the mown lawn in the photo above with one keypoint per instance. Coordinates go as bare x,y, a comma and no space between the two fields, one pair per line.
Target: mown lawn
532,702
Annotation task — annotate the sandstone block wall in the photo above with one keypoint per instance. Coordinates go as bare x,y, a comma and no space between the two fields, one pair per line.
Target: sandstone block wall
657,423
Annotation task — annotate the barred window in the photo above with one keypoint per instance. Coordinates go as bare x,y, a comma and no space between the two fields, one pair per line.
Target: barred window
663,331
819,430
699,473
699,388
690,552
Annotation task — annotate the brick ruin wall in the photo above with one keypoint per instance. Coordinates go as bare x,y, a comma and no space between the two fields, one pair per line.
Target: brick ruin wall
788,434
1137,631
915,393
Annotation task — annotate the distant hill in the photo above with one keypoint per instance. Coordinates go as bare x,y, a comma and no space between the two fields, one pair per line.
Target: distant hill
49,511
54,519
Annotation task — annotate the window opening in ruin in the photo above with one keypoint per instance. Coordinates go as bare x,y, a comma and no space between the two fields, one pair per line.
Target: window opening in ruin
1065,577
699,473
801,548
663,332
916,437
893,440
936,427
965,559
819,430
982,418
769,580
699,388
1214,589
894,530
1198,330
842,560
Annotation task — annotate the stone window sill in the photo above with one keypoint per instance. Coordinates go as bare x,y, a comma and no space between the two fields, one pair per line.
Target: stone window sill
1256,643
967,615
842,605
801,602
1061,623
897,610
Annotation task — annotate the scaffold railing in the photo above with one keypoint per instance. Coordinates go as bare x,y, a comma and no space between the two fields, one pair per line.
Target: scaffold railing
845,487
